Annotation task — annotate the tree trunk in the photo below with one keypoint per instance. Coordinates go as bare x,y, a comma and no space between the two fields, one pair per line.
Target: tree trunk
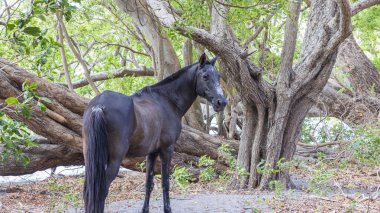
359,105
363,75
61,124
164,54
297,86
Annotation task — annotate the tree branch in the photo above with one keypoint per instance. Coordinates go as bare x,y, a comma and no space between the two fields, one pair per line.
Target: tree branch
258,31
63,54
123,46
46,155
331,143
344,26
362,5
77,54
326,31
290,39
120,73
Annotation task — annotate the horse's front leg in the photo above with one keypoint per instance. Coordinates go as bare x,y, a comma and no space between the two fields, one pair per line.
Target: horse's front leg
150,160
166,156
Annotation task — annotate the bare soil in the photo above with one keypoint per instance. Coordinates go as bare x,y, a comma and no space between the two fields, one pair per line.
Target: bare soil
319,189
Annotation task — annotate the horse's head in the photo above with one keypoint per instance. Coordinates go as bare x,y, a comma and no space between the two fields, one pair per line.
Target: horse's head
208,85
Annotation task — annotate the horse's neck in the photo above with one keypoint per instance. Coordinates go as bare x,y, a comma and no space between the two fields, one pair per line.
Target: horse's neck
183,93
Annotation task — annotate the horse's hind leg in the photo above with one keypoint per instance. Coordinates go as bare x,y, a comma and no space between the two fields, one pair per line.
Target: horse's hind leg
150,160
111,172
166,156
118,151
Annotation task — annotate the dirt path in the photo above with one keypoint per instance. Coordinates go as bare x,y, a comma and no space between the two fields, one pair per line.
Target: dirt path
353,190
288,201
195,204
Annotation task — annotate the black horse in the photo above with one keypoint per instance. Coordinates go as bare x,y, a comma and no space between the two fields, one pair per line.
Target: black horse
147,123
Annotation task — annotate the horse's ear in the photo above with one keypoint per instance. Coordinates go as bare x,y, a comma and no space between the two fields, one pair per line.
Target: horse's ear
212,62
202,60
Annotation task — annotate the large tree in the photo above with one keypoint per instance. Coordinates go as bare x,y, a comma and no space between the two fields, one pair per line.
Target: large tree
273,112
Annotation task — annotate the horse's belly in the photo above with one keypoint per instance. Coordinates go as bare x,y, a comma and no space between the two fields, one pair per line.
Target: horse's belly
145,138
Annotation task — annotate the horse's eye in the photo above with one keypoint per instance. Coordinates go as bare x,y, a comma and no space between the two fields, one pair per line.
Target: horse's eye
205,77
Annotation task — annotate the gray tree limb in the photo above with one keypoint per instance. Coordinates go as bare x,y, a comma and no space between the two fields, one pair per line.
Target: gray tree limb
362,5
119,73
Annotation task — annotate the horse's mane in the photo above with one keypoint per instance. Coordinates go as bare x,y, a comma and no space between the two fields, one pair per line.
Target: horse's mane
172,77
161,86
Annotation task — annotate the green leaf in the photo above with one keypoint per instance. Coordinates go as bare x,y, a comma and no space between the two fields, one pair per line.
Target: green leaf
34,31
10,26
68,15
25,111
11,100
33,86
47,100
42,17
25,160
5,127
41,106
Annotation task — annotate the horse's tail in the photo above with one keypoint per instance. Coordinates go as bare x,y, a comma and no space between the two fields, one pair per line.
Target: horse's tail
96,155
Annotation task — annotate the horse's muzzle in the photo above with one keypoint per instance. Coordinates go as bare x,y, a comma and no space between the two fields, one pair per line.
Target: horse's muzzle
219,104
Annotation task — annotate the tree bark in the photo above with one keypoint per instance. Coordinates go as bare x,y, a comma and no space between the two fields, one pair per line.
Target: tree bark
191,145
164,54
363,75
62,123
361,105
120,73
353,110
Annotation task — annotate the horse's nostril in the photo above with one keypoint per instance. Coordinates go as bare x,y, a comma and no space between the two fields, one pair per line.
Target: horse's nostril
221,102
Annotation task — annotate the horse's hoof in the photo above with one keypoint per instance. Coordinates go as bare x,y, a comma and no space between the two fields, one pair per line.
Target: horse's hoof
167,210
145,210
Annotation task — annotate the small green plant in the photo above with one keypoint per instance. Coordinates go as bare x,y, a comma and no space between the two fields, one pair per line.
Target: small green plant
277,187
225,150
352,207
242,172
225,154
224,176
206,161
367,145
182,176
207,174
321,177
285,165
141,166
265,168
321,156
62,196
